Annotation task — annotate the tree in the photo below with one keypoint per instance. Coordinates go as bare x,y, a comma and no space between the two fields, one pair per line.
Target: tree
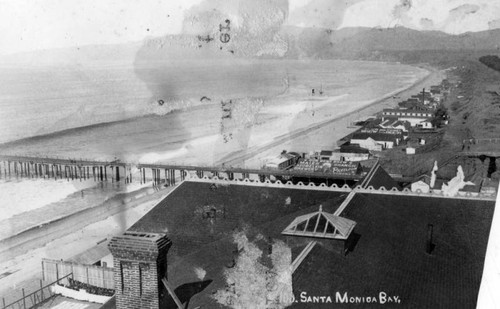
251,284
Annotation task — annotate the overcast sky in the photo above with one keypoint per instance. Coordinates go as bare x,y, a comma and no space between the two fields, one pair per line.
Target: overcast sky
27,25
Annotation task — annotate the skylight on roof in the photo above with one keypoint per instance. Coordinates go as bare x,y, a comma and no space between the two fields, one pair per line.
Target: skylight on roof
320,224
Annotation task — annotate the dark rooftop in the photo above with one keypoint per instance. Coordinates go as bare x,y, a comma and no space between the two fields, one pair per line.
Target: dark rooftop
348,148
390,255
377,177
199,241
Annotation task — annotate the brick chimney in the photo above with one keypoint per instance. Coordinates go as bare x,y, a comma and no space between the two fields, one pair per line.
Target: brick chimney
140,262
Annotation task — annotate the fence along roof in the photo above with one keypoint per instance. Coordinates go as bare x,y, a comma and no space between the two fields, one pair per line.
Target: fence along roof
320,224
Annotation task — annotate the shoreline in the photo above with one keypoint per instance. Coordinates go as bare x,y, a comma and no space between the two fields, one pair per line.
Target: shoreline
54,228
70,236
57,227
296,134
17,146
149,109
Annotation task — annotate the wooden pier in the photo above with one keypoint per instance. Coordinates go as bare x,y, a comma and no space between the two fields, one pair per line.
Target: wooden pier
38,167
158,174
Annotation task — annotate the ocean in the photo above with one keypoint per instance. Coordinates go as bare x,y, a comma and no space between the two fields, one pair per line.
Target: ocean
171,112
40,100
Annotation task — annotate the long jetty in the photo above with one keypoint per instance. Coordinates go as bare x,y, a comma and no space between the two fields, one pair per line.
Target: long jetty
57,168
40,167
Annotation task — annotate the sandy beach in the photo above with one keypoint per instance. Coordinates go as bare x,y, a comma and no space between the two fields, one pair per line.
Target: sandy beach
324,136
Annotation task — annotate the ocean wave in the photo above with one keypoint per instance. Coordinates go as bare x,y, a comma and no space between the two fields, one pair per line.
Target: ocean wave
27,194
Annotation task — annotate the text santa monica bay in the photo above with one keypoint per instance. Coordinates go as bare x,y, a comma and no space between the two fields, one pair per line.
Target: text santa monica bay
345,298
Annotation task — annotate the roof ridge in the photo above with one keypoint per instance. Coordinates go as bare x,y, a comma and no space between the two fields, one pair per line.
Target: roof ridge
345,188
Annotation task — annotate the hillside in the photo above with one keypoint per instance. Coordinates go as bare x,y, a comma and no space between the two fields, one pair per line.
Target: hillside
381,44
393,44
320,43
491,61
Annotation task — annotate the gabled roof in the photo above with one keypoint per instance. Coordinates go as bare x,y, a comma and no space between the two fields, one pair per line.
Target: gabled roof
404,123
279,159
377,177
320,224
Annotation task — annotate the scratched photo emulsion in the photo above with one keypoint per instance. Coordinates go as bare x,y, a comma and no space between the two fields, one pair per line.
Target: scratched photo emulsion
249,154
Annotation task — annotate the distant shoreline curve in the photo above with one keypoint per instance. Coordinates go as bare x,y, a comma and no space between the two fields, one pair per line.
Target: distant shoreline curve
237,156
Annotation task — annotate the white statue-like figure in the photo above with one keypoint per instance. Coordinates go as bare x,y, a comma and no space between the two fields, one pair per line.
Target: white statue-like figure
433,175
456,183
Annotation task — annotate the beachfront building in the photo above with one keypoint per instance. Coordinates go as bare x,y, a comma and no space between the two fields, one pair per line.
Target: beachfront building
439,92
409,103
426,124
424,97
346,153
414,117
377,139
396,124
368,143
353,154
283,161
416,104
326,155
436,89
296,238
329,167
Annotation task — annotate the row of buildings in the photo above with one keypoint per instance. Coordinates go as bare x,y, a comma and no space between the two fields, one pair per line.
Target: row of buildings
420,113
389,129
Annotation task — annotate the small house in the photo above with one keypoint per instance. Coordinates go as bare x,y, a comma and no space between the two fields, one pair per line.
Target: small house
367,143
326,155
396,124
421,186
282,162
377,138
425,124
